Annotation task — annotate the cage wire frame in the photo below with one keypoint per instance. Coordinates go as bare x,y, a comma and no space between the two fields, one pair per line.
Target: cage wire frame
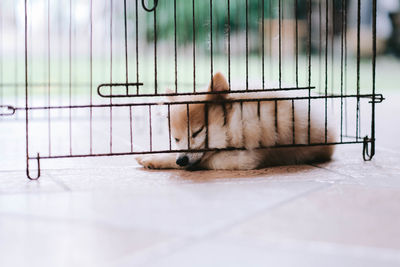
152,99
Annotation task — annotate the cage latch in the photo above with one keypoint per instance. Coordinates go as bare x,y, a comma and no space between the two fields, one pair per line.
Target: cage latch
116,93
7,110
377,99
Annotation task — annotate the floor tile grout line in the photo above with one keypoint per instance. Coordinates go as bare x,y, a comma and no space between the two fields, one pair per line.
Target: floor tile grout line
18,193
274,206
332,171
71,168
344,246
64,220
11,171
191,241
59,183
384,148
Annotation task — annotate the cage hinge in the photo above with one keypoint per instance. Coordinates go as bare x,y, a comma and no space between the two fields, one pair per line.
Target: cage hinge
7,110
377,99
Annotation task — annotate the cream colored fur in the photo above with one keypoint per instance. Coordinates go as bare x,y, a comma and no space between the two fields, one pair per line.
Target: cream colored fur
238,125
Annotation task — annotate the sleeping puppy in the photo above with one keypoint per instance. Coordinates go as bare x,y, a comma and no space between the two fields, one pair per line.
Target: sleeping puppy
253,127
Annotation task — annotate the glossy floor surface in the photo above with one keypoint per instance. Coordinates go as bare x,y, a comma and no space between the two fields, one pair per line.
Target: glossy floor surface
111,212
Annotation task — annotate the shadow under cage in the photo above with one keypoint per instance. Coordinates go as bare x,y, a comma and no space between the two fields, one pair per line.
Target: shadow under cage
99,77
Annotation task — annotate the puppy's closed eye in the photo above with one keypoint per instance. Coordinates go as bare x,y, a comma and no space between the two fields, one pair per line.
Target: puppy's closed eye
197,132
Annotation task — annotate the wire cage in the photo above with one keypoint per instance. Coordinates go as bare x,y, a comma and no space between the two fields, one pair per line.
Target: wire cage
90,77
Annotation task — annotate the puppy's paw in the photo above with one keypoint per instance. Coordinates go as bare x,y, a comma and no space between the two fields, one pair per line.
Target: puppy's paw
149,162
159,161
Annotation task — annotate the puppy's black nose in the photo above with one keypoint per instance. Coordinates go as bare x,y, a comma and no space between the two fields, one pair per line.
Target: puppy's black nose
182,161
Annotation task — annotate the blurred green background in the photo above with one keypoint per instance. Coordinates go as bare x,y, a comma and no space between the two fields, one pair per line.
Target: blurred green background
63,57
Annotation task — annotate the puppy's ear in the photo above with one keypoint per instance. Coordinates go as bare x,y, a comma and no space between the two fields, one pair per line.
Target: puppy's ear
169,91
170,96
218,83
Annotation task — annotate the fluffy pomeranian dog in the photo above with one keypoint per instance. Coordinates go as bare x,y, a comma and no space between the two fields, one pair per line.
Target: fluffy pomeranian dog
253,127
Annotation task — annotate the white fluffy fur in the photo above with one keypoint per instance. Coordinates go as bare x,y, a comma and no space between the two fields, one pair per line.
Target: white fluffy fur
238,125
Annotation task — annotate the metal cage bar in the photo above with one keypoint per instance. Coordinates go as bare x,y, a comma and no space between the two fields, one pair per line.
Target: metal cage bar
117,94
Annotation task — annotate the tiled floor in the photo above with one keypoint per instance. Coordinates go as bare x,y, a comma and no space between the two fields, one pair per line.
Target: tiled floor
111,212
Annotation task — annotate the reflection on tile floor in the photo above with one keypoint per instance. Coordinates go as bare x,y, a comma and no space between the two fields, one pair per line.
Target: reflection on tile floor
111,212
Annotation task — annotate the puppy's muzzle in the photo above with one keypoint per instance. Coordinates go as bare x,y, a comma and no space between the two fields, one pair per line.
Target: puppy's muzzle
183,161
